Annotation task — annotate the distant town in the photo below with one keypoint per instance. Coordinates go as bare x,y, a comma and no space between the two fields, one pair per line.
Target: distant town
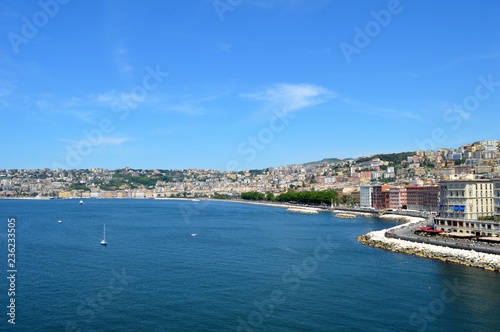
346,176
458,183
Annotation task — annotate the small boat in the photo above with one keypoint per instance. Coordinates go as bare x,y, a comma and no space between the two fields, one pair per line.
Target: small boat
81,202
59,221
194,234
103,241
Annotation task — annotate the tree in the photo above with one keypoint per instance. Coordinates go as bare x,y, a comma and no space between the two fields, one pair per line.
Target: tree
253,196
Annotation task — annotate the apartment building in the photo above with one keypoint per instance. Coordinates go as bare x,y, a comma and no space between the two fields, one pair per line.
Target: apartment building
380,196
397,197
365,196
422,198
496,197
464,202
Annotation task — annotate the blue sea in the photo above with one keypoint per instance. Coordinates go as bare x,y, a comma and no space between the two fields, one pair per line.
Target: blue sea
251,268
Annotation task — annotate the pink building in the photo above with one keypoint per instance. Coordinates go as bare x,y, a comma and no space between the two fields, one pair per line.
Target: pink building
397,197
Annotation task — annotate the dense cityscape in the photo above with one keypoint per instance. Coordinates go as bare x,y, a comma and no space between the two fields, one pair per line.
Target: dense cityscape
250,166
448,181
458,185
346,176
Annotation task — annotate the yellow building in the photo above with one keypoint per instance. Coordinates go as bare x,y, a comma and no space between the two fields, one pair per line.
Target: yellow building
65,194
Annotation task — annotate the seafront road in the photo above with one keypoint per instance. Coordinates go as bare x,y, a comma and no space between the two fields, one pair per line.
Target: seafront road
407,233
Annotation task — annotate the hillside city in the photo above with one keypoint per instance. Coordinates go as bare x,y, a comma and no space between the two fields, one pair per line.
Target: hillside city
346,176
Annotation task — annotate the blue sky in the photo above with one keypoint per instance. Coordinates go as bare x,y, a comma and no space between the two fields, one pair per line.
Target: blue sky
242,84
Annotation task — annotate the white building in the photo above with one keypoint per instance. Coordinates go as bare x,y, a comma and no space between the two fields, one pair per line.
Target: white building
365,196
463,202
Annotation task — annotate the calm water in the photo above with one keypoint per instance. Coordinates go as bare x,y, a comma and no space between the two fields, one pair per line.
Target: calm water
251,268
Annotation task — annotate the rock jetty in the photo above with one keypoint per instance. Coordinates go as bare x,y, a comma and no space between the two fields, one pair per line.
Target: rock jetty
345,215
378,239
303,210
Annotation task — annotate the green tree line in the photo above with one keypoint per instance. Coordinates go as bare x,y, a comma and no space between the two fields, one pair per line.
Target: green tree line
303,197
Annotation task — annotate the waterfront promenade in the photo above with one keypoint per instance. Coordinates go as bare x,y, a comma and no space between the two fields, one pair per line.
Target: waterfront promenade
401,239
407,233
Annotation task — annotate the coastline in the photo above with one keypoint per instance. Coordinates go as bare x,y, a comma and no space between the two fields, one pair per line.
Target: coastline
377,239
407,219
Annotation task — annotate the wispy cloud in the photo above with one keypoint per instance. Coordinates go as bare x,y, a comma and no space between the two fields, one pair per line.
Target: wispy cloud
459,61
122,59
380,111
185,108
106,140
118,99
471,58
6,88
63,107
115,140
288,97
223,48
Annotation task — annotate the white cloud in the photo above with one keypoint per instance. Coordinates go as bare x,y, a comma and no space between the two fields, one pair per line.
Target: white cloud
118,99
115,140
381,111
292,97
122,60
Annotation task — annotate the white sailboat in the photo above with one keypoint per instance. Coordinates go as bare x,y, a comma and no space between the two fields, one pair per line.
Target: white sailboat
103,241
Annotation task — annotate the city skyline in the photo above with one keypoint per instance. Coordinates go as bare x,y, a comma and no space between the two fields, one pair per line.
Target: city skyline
242,84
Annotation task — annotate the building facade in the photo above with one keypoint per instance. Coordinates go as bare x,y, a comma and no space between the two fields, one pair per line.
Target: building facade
365,196
422,198
380,196
397,197
496,198
466,205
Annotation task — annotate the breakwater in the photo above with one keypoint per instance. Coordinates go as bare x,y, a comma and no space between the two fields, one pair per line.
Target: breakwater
305,210
472,258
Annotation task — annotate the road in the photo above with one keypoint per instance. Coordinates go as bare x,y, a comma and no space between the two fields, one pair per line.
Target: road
407,233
